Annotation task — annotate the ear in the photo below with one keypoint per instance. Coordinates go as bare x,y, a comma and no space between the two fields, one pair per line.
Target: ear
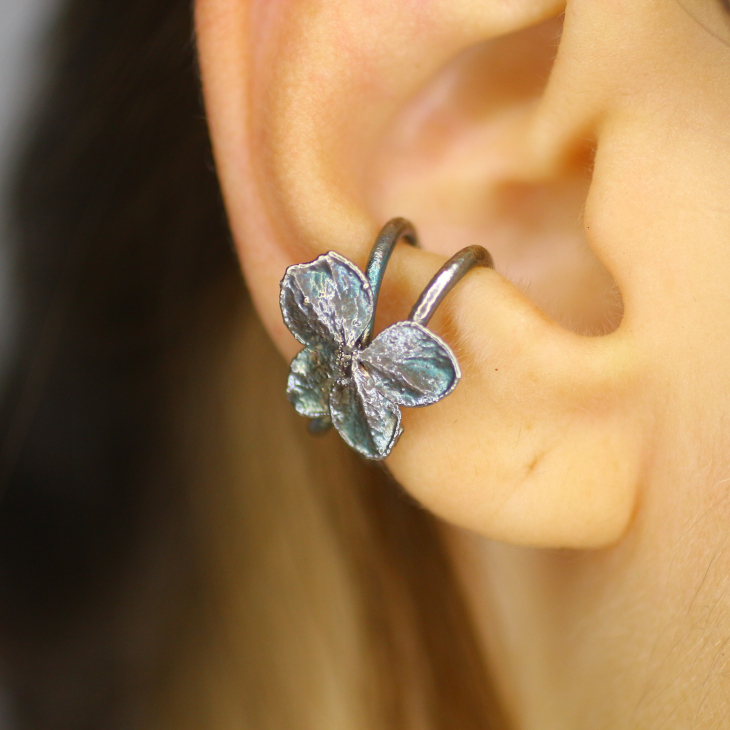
328,118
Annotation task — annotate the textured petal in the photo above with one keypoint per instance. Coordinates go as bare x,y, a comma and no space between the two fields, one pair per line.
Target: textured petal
310,382
410,365
326,302
366,420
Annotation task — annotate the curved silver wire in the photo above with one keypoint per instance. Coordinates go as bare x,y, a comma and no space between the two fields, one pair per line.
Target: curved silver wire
393,231
446,278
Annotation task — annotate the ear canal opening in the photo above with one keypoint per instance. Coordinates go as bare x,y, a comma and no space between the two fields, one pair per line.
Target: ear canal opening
457,161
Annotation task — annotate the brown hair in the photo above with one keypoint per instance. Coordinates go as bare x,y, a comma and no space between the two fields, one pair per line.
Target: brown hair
175,551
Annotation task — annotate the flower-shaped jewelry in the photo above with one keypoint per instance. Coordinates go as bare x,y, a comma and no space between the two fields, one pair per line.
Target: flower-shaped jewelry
329,306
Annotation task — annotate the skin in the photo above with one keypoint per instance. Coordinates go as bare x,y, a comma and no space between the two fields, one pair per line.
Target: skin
582,463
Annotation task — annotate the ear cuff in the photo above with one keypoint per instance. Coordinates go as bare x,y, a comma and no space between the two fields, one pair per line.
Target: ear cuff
344,377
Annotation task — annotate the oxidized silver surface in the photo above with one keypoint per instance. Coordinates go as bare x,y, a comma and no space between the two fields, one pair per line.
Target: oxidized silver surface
329,305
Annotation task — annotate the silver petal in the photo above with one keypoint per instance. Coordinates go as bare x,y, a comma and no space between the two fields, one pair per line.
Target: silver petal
365,419
410,365
310,381
326,302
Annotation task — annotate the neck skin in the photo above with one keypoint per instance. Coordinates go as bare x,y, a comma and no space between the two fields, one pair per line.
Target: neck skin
635,636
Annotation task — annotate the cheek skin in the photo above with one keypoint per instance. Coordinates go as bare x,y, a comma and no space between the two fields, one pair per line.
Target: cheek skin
647,621
657,210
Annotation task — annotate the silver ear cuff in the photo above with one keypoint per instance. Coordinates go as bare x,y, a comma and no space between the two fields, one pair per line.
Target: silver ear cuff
344,377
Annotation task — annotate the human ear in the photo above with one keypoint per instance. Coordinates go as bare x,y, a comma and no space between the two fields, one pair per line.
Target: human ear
328,118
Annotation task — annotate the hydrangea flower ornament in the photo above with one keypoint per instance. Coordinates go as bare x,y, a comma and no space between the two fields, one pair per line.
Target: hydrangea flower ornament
344,377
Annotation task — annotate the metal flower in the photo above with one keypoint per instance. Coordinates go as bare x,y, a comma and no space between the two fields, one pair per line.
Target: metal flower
328,305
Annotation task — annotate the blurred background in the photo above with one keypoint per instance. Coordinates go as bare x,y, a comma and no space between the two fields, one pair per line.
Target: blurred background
112,240
24,26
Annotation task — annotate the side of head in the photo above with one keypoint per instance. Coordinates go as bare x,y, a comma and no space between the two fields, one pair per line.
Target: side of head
586,146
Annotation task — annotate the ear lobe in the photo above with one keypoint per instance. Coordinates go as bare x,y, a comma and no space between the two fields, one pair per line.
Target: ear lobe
321,127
